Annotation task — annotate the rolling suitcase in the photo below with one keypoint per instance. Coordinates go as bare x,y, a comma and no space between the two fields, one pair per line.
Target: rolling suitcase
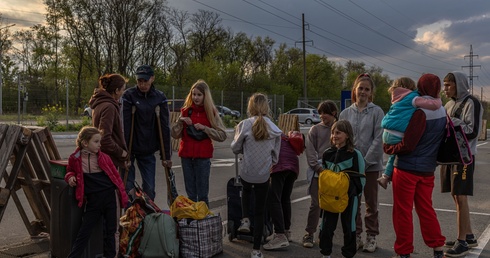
66,218
234,203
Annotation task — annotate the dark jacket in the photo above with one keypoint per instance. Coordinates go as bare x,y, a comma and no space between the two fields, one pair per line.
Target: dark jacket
106,116
342,160
146,135
417,152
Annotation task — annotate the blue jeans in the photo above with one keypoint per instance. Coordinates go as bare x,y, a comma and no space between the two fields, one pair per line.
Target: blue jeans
146,165
196,178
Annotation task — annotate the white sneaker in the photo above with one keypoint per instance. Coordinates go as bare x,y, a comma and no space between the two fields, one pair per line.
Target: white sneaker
256,254
278,241
359,243
370,245
245,226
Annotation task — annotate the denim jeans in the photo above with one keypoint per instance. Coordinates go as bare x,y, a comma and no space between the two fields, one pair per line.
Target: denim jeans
196,178
147,166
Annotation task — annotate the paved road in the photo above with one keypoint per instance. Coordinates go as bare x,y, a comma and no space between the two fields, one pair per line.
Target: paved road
13,231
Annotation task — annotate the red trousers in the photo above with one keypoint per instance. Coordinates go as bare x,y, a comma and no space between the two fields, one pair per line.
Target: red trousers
411,190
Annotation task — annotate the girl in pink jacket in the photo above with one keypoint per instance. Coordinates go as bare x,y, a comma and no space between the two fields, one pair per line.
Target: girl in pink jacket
99,188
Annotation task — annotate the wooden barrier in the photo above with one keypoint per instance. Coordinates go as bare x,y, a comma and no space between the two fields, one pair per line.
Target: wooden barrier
288,122
29,150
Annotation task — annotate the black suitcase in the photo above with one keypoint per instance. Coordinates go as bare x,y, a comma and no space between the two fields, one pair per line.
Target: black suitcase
234,203
66,218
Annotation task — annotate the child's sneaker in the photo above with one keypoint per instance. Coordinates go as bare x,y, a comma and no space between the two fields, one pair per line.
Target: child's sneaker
278,241
459,249
471,243
245,226
359,243
308,241
370,245
256,254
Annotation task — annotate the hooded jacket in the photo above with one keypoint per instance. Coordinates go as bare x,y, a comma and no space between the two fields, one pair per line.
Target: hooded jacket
146,139
367,133
106,116
258,156
417,152
471,116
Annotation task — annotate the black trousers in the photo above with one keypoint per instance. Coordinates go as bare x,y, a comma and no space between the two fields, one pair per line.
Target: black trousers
279,199
100,205
260,193
329,224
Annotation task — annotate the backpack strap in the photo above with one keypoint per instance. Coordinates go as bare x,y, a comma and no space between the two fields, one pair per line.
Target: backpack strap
460,107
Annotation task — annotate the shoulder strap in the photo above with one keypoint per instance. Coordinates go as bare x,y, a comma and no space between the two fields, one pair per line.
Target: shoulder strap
460,107
189,112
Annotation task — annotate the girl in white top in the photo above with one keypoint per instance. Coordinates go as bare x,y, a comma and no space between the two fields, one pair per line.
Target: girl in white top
259,140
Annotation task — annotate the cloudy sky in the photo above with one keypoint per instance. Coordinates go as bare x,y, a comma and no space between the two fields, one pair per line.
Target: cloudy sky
403,37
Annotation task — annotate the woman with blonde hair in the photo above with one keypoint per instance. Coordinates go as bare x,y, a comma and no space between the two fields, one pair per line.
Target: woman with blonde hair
259,140
198,124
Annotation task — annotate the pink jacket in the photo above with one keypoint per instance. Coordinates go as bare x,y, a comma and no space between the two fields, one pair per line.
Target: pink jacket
74,168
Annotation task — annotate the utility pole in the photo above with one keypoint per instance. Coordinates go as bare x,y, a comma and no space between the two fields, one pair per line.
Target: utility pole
471,67
305,96
1,70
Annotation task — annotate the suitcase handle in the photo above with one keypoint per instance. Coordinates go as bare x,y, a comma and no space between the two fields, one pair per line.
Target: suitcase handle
237,177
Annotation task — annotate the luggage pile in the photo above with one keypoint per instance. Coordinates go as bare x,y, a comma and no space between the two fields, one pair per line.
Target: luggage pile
190,230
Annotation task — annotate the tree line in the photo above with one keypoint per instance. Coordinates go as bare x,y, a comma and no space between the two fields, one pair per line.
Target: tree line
84,39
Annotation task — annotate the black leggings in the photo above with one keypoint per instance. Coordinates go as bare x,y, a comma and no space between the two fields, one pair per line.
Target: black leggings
260,193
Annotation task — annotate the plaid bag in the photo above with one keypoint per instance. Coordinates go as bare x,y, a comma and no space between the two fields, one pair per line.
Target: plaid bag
201,238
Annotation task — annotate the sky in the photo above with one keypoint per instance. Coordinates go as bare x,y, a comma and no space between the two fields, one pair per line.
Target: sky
403,37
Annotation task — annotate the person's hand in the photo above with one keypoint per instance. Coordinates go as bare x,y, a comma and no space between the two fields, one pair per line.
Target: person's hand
167,163
72,181
199,126
384,180
185,119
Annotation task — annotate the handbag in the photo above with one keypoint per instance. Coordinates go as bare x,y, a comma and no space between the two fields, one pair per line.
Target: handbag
195,134
454,148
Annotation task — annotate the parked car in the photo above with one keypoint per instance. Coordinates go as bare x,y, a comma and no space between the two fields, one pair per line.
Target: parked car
87,111
226,111
174,105
306,115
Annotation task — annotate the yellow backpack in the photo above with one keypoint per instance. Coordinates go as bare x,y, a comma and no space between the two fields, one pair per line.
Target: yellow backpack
333,190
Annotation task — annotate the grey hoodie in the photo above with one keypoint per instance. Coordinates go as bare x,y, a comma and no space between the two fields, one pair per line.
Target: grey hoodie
471,116
367,133
258,156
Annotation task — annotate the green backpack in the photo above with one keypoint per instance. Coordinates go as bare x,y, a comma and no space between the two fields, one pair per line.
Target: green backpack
159,237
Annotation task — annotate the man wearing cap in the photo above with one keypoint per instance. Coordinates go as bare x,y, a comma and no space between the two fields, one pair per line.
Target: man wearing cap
145,132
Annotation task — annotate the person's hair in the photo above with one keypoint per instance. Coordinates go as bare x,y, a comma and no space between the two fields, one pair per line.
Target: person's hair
328,107
258,105
403,82
85,134
209,107
450,78
345,127
111,82
362,77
